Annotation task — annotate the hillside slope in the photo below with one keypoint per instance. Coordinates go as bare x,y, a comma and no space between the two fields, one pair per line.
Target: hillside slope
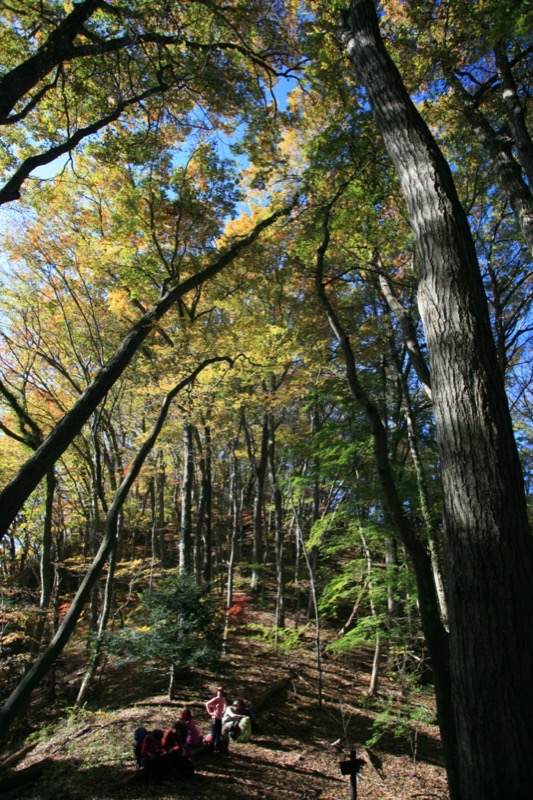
295,753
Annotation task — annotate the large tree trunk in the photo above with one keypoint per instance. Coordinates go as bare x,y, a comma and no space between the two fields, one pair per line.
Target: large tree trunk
489,549
15,494
434,631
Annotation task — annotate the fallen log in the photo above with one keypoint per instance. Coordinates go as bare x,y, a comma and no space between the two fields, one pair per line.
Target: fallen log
263,699
18,756
24,776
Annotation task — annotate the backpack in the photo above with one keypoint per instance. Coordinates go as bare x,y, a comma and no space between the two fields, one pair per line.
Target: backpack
223,742
245,732
138,738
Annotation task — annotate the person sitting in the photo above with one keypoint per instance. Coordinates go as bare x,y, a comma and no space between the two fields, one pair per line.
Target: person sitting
152,745
247,711
193,736
176,736
151,750
160,763
235,723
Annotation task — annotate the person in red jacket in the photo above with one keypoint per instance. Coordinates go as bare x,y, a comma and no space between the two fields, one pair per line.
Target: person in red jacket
216,707
151,750
175,736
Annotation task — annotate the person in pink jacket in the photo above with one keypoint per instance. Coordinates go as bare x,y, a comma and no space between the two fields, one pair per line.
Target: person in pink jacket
194,737
216,708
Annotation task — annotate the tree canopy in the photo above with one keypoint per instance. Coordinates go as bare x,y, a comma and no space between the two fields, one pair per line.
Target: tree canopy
306,229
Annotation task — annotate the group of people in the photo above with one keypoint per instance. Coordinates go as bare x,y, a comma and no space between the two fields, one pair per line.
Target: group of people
228,721
170,753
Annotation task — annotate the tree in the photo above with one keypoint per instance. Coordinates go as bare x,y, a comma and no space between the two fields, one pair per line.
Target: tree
489,550
21,486
182,628
130,66
18,698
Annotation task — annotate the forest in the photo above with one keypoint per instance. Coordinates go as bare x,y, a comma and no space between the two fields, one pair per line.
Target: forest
265,343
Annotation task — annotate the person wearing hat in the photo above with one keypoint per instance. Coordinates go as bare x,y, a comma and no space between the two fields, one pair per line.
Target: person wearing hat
216,708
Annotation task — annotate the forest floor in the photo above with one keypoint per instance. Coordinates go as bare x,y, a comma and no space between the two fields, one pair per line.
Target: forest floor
294,755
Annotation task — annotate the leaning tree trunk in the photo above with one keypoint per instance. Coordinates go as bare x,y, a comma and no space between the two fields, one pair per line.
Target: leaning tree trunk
18,699
17,491
489,548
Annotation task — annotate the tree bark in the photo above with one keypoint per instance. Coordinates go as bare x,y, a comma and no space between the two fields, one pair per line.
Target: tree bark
434,631
489,549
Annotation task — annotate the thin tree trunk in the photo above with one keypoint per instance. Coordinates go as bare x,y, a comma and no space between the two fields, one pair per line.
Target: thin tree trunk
207,529
18,699
46,564
259,465
314,596
160,507
278,525
97,653
374,677
47,569
499,150
235,513
185,545
435,633
433,544
516,112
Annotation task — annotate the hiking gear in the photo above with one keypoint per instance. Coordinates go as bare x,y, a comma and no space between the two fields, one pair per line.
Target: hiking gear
138,738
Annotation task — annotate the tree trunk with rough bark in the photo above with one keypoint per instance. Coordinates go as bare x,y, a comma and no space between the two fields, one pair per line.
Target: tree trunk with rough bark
489,548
